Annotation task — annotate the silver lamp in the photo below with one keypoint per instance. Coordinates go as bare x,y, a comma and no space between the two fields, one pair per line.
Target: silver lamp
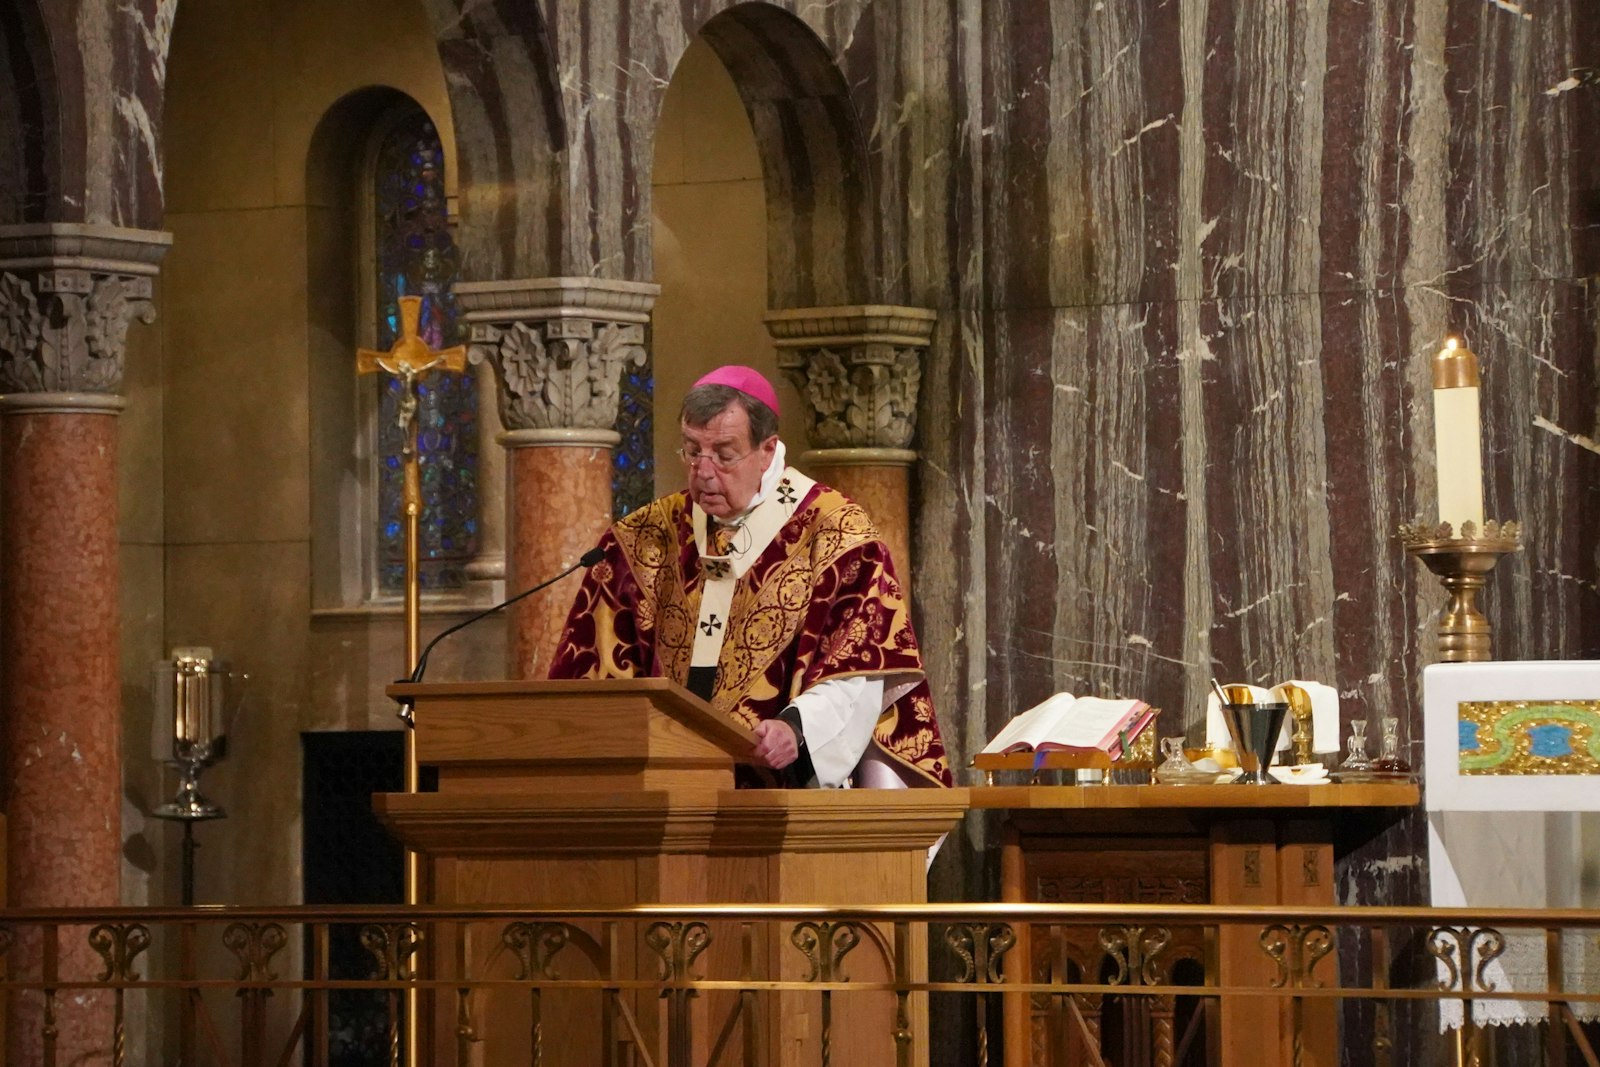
196,697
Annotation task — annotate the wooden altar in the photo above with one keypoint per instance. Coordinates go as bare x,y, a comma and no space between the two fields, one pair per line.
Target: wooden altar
616,793
1155,844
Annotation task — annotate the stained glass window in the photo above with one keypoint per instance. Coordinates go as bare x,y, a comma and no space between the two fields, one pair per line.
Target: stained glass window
415,255
633,474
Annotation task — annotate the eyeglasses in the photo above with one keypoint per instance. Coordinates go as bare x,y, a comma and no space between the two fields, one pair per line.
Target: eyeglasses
722,461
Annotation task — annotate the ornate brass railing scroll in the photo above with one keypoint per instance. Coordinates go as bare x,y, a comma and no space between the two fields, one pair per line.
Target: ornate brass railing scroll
1296,950
677,945
393,947
535,946
1465,953
119,945
254,945
701,986
981,949
825,945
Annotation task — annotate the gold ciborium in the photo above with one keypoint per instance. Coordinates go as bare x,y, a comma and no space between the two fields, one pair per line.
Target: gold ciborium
1463,565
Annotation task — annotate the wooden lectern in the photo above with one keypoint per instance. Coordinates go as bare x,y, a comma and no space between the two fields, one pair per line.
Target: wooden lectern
617,793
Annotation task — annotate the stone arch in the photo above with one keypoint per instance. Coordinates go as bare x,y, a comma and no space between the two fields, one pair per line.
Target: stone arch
510,127
337,162
30,117
822,248
81,112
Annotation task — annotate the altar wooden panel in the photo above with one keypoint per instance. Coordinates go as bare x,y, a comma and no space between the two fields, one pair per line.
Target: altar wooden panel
1177,845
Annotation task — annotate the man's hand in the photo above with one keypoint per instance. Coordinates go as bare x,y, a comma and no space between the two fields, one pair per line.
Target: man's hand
776,744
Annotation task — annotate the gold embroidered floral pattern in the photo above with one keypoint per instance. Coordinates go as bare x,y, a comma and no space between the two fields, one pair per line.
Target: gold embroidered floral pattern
821,601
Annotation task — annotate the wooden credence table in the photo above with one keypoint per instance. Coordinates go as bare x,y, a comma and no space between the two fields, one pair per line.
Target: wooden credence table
1160,844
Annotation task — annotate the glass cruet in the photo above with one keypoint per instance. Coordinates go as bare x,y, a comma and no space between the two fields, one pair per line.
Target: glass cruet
1356,760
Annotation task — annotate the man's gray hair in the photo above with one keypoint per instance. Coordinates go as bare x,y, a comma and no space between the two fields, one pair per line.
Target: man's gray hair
705,402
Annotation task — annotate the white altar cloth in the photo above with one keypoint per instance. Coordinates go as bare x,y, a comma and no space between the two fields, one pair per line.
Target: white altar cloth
1509,840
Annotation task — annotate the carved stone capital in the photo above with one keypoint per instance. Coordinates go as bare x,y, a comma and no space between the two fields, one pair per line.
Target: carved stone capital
558,346
858,368
67,294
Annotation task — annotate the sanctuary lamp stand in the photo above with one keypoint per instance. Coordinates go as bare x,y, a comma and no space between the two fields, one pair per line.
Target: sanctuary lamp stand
1462,564
196,698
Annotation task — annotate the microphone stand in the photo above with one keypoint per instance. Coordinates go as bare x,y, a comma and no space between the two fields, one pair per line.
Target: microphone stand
407,703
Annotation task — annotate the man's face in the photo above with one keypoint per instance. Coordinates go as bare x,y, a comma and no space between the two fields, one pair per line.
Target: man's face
725,476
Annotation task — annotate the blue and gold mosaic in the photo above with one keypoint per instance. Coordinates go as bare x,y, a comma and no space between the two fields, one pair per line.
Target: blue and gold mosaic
1529,736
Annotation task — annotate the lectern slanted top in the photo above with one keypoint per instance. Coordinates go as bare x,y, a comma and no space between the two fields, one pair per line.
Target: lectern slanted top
559,736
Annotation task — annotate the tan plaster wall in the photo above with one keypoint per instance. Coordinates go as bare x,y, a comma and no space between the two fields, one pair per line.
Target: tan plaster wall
219,485
249,81
710,231
141,533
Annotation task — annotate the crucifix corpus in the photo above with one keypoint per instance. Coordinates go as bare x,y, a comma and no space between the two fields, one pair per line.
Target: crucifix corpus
411,360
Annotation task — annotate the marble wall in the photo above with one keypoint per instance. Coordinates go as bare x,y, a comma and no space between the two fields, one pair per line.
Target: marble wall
1220,241
81,119
1190,259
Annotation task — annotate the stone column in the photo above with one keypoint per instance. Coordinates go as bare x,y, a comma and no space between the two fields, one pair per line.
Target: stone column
858,368
67,295
489,565
558,347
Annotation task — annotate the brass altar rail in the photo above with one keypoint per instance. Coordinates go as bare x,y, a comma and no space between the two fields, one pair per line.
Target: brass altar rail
684,986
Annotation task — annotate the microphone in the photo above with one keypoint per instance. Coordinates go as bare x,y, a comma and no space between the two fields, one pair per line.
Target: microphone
588,559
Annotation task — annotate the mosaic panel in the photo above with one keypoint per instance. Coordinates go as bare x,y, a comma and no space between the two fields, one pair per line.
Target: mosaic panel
1529,736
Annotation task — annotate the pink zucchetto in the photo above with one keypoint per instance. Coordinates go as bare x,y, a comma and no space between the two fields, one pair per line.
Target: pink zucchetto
747,380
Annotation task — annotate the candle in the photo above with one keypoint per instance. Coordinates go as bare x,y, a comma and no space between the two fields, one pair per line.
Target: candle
1456,437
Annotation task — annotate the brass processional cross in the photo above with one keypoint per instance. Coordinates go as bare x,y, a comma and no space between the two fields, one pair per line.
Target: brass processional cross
411,360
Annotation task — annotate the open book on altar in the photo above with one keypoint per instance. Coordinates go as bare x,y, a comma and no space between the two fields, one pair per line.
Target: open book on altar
1068,722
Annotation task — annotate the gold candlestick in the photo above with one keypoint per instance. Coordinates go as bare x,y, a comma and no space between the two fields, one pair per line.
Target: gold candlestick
1463,565
1300,714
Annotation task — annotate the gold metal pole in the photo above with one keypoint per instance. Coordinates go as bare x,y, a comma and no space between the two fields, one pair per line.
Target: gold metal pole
409,360
413,872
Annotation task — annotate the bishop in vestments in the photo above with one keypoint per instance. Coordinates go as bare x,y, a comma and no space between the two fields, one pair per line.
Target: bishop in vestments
770,596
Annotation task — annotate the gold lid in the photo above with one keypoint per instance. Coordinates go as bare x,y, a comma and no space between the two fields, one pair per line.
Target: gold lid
1455,367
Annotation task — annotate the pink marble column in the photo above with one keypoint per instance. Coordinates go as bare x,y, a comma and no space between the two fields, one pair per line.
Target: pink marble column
60,704
559,348
859,368
559,504
69,293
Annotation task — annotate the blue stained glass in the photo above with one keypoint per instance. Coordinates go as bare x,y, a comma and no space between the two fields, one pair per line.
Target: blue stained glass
633,475
416,256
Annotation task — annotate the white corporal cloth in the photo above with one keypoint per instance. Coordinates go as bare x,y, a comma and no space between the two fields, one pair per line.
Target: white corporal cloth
1324,717
1510,840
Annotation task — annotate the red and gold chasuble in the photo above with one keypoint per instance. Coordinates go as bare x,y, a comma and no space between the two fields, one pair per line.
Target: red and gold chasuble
820,601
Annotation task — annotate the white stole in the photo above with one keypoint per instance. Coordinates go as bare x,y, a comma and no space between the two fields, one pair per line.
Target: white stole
721,574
